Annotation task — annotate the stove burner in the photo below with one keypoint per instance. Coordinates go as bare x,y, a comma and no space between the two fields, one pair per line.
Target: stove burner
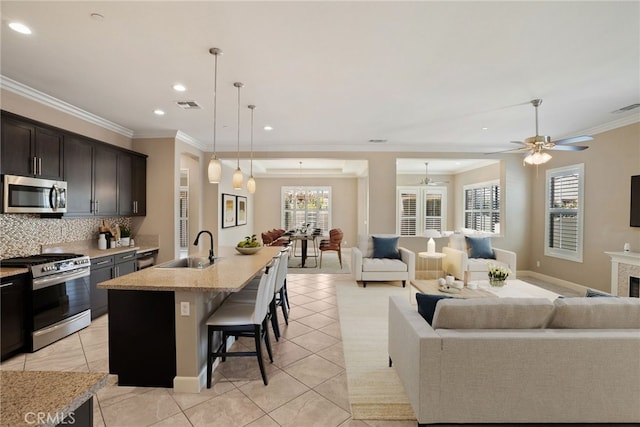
31,260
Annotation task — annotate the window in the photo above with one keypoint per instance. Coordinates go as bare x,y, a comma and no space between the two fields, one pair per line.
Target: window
306,205
564,212
482,206
421,209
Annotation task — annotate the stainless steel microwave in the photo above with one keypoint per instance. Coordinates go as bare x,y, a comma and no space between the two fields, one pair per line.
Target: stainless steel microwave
22,194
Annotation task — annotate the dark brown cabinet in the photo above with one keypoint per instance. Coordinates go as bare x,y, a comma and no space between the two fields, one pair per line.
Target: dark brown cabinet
30,150
13,298
78,172
132,184
102,179
107,268
102,269
105,177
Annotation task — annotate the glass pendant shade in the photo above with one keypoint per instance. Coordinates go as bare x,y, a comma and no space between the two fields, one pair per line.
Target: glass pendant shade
251,185
237,179
537,158
214,171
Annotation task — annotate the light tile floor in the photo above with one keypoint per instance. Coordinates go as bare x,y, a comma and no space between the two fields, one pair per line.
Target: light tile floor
307,381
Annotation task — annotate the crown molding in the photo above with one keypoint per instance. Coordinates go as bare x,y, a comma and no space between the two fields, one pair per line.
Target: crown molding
57,104
179,135
615,124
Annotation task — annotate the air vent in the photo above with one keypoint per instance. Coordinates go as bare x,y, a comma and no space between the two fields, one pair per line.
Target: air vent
627,108
378,141
188,105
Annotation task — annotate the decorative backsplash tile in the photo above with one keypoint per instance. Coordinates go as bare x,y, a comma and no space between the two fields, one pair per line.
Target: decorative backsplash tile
23,234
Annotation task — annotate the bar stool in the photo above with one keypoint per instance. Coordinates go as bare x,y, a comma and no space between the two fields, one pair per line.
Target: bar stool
243,320
280,298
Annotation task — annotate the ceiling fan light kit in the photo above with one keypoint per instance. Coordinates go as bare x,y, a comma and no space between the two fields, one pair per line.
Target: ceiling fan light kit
537,145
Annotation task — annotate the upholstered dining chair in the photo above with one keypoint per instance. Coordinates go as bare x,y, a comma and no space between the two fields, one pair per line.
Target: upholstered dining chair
240,319
333,243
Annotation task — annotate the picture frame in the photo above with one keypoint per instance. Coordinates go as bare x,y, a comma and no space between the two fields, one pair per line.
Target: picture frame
241,210
228,210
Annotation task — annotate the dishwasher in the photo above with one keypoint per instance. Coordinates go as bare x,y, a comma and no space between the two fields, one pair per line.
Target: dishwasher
146,259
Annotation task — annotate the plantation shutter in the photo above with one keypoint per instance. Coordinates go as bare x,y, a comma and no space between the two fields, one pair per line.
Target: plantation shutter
482,208
433,211
408,212
563,212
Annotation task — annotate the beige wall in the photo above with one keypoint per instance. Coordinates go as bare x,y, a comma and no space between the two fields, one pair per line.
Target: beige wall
344,203
612,158
42,113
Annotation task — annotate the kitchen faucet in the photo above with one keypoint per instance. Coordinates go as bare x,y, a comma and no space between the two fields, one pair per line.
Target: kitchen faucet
195,243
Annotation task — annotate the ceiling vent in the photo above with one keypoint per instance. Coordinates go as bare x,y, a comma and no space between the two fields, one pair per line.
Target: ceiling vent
378,141
188,105
625,109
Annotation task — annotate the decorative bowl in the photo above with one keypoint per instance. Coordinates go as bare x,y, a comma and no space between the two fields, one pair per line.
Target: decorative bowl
248,251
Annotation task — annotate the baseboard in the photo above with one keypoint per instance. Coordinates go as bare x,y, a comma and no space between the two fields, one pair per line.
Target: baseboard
553,280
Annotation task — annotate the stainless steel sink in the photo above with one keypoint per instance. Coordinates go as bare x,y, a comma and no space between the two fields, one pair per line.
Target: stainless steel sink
190,262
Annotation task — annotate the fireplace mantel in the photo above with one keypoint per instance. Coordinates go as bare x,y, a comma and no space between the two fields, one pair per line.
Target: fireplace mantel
631,262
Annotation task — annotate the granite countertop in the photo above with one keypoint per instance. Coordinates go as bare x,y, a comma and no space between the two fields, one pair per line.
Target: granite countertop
91,252
26,392
229,273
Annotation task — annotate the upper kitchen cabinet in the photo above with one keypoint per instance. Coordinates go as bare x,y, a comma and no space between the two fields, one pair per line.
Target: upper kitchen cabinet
105,181
132,184
78,172
31,150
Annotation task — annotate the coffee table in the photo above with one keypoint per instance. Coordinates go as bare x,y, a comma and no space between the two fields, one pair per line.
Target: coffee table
513,289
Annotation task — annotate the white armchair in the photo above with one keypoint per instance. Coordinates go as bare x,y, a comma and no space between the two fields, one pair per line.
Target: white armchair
461,257
367,268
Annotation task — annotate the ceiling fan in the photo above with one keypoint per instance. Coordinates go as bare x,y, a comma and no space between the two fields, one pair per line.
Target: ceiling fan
429,181
537,145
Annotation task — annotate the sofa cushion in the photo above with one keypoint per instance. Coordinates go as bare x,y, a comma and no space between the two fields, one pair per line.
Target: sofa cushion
458,241
596,313
383,264
493,313
427,305
480,247
386,247
594,293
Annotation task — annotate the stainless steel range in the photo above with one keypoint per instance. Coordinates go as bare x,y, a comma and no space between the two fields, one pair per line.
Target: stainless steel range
59,299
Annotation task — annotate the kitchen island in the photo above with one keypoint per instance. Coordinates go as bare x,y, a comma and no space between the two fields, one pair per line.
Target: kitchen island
157,330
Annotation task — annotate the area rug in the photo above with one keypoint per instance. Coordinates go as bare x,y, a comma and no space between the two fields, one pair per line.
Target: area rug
375,390
330,265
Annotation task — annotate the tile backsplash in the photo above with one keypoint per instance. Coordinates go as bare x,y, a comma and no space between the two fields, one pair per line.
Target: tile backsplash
23,234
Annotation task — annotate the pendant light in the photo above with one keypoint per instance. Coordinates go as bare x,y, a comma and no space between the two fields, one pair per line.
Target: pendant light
237,175
214,171
251,182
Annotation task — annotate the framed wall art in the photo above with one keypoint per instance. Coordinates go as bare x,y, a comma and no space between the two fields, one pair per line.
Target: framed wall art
228,210
241,210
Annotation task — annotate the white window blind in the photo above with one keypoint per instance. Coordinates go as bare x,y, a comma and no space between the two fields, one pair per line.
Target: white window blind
482,207
306,205
420,209
564,212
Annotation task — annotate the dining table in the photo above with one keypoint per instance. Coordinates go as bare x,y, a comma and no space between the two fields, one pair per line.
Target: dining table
304,238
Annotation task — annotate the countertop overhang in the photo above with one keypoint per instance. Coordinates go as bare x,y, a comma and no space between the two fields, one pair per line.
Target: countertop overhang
230,273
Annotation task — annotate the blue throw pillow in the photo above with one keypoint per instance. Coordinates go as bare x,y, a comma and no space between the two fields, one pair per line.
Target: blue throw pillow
594,293
386,247
480,247
427,305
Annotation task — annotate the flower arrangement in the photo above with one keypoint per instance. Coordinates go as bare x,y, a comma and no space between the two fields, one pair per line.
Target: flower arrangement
497,275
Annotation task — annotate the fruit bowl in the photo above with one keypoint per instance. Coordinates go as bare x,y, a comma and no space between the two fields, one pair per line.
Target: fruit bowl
248,250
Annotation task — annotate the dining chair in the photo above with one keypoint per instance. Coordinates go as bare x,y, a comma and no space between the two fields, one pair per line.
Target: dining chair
240,319
333,243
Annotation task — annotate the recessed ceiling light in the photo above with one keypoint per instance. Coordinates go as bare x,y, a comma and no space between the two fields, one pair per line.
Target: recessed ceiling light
179,88
19,27
267,127
158,112
485,128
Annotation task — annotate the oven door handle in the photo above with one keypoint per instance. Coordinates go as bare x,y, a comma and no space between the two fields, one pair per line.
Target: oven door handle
49,281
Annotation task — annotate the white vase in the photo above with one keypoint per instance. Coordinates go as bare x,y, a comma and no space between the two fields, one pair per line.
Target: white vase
124,241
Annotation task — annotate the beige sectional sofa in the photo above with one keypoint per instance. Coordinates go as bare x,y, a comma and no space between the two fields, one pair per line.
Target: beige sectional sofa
519,360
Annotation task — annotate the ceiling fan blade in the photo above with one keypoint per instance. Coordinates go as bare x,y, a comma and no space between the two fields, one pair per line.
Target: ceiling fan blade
583,138
513,150
517,142
569,148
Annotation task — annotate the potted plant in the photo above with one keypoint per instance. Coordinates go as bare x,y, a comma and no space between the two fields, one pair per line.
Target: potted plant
125,235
